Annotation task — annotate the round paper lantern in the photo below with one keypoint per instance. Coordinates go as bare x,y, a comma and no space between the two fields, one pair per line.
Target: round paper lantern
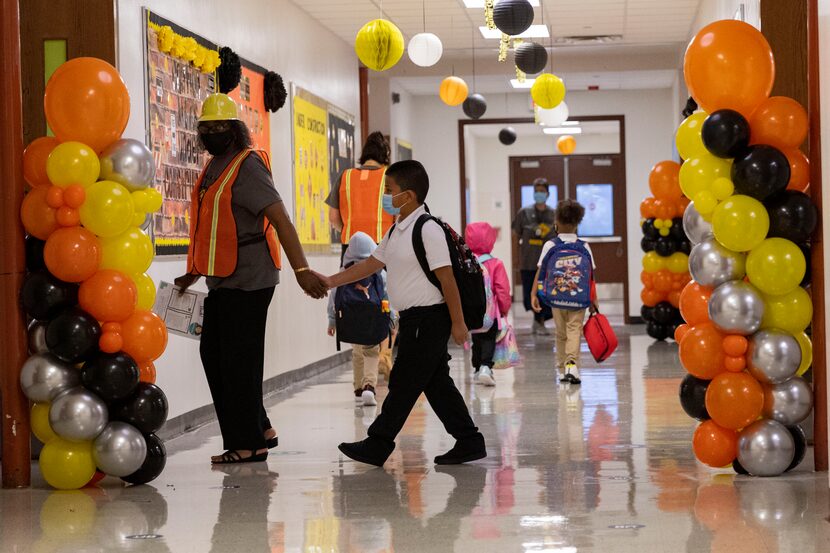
379,45
548,91
425,49
553,117
566,144
474,106
507,136
531,57
513,17
453,91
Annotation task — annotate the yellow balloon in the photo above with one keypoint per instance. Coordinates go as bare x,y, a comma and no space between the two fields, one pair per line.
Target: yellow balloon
723,188
776,267
678,263
699,173
548,91
705,202
806,353
40,423
792,312
379,45
67,465
130,252
653,262
67,514
740,223
154,200
73,163
138,219
688,139
108,209
146,291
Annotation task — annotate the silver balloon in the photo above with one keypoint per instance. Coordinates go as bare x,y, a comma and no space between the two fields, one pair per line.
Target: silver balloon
712,265
697,229
765,448
737,308
789,402
44,376
128,162
119,450
773,356
78,415
37,337
148,220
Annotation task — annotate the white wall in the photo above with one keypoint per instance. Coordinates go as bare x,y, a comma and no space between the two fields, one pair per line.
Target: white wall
824,55
279,36
401,119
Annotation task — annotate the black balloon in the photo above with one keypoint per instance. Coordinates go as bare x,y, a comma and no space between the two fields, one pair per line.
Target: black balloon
685,247
153,464
760,171
647,313
739,468
531,57
649,230
665,246
146,409
647,244
43,296
693,397
800,439
112,376
792,215
73,336
665,313
507,136
34,254
474,106
513,17
677,231
725,133
658,331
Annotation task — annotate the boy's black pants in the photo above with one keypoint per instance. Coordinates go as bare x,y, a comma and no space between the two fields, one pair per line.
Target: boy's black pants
233,353
484,347
422,367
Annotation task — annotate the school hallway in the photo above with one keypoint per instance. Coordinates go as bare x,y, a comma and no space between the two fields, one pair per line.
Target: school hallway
607,466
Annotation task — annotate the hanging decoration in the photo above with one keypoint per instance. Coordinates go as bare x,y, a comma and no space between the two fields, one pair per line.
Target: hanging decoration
507,136
552,117
274,91
229,72
747,311
379,45
513,17
186,49
521,76
488,14
474,106
425,49
531,57
453,91
548,91
566,144
504,46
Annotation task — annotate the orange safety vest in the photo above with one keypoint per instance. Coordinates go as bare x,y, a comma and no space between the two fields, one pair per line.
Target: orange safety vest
213,241
361,204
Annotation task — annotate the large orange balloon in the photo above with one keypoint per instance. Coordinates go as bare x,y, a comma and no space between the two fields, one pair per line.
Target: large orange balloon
38,218
72,254
779,121
799,170
701,351
108,296
694,303
87,101
663,181
145,336
734,400
729,64
714,445
34,160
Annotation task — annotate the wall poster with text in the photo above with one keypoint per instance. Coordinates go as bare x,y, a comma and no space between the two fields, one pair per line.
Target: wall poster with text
341,154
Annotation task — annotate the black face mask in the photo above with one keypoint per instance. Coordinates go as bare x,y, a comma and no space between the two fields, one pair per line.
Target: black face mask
216,143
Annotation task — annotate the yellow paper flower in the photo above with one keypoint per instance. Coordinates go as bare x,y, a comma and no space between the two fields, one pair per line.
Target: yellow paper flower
199,56
190,46
166,37
178,47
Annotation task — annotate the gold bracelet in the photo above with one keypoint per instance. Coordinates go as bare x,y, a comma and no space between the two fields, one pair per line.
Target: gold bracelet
301,270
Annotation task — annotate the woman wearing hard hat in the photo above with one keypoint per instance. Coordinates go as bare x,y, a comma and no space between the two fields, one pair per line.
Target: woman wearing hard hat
237,224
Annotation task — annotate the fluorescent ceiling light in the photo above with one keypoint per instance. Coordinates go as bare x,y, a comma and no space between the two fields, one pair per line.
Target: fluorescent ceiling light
570,123
527,84
561,130
473,4
535,31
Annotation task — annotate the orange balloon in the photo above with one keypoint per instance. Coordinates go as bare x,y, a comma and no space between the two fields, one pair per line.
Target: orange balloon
735,345
663,181
674,297
734,400
734,364
108,296
779,121
54,197
647,208
145,336
38,218
147,372
34,160
566,144
68,217
72,254
729,64
714,445
110,342
694,303
111,327
682,204
647,279
650,298
87,101
74,195
680,332
799,170
701,351
663,280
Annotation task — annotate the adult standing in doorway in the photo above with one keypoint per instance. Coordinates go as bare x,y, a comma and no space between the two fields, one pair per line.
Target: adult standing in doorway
356,199
238,222
534,225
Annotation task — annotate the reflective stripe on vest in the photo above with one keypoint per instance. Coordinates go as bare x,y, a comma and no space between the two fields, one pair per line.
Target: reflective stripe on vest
214,223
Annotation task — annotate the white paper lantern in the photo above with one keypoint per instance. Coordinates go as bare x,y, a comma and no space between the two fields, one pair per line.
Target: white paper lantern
552,117
425,49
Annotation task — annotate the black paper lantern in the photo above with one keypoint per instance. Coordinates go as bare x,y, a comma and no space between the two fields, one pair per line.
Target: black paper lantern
229,71
275,93
531,57
474,106
507,136
513,17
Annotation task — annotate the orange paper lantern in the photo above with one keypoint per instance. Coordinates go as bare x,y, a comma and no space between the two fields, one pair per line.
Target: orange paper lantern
453,91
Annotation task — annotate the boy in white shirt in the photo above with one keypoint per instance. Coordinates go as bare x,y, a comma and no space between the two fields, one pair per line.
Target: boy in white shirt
428,317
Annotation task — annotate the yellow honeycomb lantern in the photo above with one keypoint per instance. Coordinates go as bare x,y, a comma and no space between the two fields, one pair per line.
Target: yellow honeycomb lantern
548,91
379,45
453,91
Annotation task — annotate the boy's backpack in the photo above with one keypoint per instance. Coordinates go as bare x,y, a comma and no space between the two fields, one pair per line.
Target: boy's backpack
565,276
358,312
491,315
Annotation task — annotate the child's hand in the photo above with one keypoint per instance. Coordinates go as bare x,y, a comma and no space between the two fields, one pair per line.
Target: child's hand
535,305
460,333
332,331
594,308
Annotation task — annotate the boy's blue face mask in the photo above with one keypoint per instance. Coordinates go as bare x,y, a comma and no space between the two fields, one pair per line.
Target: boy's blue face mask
540,197
388,207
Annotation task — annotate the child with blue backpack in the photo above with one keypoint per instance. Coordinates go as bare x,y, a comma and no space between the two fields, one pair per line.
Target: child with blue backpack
565,280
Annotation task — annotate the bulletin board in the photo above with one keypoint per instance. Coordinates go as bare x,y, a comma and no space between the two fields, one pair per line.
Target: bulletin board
341,153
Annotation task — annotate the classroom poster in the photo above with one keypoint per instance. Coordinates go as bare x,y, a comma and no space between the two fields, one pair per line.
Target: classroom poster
311,170
341,154
250,99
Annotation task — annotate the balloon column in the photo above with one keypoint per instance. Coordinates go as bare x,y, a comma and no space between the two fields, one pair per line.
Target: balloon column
744,344
666,247
93,338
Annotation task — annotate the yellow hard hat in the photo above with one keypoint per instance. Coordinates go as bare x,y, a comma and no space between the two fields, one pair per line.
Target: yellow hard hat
218,107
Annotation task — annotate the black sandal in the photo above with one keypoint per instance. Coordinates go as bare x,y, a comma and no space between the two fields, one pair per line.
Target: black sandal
232,457
271,443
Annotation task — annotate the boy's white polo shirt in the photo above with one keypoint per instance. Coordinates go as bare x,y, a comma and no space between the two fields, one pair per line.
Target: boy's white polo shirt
406,283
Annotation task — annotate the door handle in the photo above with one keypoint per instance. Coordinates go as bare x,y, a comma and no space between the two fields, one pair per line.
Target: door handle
620,251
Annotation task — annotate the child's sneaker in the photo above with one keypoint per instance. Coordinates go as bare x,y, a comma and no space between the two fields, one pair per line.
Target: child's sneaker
368,396
485,376
358,396
572,373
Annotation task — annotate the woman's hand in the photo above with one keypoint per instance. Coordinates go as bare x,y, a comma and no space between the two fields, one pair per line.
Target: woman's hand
185,281
534,304
311,284
332,331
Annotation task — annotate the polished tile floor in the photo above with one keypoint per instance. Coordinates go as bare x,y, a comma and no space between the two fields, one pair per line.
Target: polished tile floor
602,467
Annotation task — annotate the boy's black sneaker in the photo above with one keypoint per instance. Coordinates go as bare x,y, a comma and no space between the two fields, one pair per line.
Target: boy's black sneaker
464,451
369,451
